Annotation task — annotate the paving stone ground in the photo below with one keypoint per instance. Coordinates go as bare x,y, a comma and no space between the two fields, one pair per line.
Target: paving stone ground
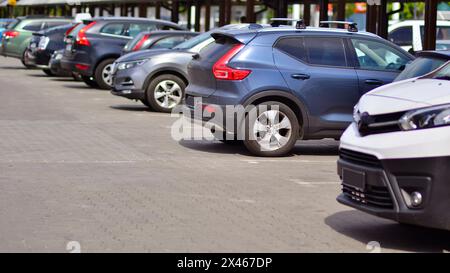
78,164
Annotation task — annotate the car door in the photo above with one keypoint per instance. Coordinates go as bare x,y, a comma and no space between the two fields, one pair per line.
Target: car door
377,62
317,71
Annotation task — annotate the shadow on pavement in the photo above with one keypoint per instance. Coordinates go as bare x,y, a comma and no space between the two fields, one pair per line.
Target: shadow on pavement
301,148
15,68
62,79
80,86
391,235
133,108
215,147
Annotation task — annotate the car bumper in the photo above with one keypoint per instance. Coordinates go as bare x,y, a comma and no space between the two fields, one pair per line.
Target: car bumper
39,59
130,83
383,186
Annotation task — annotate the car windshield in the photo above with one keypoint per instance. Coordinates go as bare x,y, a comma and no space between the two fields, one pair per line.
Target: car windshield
420,67
442,73
194,41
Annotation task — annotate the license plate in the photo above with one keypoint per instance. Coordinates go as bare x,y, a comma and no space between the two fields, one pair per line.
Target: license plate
69,47
354,179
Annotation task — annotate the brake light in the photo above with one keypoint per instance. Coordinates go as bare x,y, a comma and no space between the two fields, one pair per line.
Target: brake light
70,29
82,39
82,66
141,42
222,71
11,34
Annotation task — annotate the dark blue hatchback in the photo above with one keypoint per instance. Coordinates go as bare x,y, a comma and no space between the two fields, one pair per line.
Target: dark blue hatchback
303,82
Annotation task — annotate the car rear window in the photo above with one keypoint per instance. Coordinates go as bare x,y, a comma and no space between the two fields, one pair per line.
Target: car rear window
328,51
293,46
420,67
32,26
214,51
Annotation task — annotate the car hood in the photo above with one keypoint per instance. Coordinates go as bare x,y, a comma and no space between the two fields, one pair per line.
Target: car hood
144,54
405,95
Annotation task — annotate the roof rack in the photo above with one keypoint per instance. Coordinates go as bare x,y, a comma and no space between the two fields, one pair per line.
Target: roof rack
351,26
276,22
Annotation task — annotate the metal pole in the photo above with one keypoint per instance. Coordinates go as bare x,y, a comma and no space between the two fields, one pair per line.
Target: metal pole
341,10
175,11
430,24
207,15
323,10
250,11
382,29
198,14
307,12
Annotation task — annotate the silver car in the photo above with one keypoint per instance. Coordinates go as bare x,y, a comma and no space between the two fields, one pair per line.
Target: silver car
158,77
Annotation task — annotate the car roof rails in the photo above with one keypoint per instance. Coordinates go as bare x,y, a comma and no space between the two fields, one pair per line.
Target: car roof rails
351,26
276,22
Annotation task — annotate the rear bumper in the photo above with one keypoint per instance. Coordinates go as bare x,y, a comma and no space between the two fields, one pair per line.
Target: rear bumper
39,59
387,188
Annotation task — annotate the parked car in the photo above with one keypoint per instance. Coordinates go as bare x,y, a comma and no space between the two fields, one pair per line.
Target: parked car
157,40
410,35
394,157
93,46
307,78
44,43
55,66
425,62
145,75
4,23
16,39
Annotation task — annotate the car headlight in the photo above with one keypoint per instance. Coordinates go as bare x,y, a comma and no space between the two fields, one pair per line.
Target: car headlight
128,65
356,113
430,117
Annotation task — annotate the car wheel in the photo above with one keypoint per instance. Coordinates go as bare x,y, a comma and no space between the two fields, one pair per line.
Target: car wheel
165,92
103,74
145,102
48,72
272,130
24,61
89,81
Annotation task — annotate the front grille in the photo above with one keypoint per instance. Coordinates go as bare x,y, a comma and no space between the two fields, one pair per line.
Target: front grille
359,158
373,196
379,124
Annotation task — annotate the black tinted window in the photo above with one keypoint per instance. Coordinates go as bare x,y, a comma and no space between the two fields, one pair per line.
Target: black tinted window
294,47
51,24
401,36
114,29
420,67
33,26
135,29
325,51
169,42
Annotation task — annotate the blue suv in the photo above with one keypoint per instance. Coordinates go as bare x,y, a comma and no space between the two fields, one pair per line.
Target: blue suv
303,82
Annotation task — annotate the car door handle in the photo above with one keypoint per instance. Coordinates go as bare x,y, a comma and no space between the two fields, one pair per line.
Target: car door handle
300,76
373,82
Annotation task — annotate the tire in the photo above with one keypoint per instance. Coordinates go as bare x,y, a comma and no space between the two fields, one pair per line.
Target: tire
145,102
165,92
89,81
48,72
278,130
24,61
102,74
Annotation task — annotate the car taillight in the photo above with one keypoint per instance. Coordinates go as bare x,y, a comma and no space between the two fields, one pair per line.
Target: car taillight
82,39
72,28
11,34
222,71
141,42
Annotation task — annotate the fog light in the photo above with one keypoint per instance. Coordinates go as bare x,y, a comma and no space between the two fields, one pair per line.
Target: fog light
416,199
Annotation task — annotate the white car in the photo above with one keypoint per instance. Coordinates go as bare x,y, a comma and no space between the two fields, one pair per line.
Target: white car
410,34
395,157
